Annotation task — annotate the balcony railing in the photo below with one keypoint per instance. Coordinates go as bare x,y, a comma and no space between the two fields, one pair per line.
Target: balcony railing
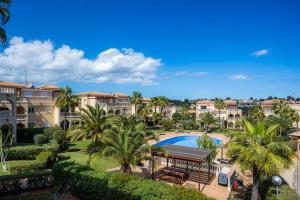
22,99
6,114
21,117
7,90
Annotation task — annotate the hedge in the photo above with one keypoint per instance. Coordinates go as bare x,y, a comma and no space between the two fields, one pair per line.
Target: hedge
26,135
88,184
29,152
24,182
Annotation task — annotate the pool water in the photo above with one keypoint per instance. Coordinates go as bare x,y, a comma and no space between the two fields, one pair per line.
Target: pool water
187,141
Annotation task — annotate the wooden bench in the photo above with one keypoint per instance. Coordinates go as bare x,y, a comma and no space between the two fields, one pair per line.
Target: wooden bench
178,175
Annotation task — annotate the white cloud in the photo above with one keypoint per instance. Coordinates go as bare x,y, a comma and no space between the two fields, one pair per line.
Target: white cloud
186,73
261,52
239,77
45,63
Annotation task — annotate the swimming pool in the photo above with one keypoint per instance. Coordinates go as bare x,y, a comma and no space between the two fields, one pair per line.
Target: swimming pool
187,141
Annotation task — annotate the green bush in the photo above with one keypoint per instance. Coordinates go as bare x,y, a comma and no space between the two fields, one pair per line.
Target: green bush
29,152
40,139
88,184
36,180
60,137
29,167
48,132
25,135
47,157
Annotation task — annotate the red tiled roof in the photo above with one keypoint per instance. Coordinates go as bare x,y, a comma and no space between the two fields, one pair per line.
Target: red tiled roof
12,84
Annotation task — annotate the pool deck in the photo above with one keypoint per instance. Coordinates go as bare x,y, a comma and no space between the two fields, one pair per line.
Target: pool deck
212,190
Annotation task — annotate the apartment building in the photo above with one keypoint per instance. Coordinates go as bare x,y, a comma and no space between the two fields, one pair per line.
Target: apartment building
34,106
230,115
115,103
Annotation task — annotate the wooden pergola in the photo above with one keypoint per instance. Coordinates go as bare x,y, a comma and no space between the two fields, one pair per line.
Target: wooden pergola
186,154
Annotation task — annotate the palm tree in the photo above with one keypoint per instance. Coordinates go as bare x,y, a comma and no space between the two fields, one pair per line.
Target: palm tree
219,105
136,99
208,119
259,149
127,142
257,113
145,112
280,107
154,103
162,102
5,15
93,123
206,142
66,102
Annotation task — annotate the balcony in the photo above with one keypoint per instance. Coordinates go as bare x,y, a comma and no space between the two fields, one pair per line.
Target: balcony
6,115
21,117
22,99
7,90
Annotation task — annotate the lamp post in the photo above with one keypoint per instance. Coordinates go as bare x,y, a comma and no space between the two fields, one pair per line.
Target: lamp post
277,181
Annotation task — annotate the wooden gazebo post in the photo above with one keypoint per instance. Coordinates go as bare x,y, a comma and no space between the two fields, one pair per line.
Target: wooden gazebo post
152,168
199,177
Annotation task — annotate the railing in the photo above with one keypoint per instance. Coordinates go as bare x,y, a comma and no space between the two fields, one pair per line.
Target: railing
21,116
7,90
71,114
214,167
22,99
6,114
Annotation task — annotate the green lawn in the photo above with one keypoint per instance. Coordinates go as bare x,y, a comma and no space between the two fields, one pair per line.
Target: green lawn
77,152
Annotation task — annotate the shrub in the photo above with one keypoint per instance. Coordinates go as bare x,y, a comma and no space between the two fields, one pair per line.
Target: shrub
36,180
46,157
40,139
28,167
167,124
60,137
89,184
25,135
49,132
29,152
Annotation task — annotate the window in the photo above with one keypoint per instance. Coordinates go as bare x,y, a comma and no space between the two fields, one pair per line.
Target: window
47,109
27,94
203,107
31,109
44,94
31,125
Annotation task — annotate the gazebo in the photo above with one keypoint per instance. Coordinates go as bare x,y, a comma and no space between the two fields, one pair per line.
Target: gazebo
184,160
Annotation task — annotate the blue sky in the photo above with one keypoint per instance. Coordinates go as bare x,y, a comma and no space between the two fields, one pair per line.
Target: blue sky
191,49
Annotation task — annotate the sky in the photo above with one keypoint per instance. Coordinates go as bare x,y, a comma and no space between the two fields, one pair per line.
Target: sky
179,49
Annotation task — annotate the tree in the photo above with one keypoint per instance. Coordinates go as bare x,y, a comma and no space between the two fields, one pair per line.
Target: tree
92,124
162,102
177,117
6,141
66,102
167,124
127,142
219,105
206,142
208,119
145,112
257,113
5,15
136,99
260,150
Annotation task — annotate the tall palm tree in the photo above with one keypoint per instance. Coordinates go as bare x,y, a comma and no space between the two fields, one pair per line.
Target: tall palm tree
257,113
154,103
136,99
162,102
259,149
145,112
5,15
219,105
66,102
127,142
93,123
208,119
280,107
